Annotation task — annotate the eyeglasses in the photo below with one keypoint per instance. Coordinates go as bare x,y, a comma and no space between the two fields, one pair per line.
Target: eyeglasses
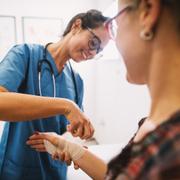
94,43
111,24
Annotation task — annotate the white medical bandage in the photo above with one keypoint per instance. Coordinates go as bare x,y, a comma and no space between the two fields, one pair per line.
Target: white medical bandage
50,148
75,150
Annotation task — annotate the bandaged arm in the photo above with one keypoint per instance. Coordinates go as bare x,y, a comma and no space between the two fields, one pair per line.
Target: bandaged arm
87,161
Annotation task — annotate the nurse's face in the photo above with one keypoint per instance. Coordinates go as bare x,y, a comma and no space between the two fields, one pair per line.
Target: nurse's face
87,43
129,43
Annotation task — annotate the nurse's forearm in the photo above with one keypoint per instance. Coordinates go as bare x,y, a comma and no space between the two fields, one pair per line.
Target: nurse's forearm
92,165
22,107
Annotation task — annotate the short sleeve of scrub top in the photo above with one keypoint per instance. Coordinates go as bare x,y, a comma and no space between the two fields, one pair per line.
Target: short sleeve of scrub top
13,68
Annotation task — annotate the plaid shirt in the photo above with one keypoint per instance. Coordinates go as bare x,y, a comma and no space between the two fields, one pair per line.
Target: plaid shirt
156,157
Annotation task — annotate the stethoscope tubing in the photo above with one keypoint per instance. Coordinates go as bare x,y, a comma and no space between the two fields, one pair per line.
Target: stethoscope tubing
54,84
45,60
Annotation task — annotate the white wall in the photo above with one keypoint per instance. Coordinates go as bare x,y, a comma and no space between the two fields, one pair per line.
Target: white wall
119,105
40,8
103,4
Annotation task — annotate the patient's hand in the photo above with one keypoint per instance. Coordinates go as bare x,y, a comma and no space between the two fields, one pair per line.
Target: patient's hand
36,141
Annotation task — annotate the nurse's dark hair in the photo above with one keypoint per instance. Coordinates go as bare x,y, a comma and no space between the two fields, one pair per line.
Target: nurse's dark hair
173,6
91,19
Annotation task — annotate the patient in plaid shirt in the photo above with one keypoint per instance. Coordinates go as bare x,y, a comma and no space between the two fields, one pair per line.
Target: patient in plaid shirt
156,157
148,38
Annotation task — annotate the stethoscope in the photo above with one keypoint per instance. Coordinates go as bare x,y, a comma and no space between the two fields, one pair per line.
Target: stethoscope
45,60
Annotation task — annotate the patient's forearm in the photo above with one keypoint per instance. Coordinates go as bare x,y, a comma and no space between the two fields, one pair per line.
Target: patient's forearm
92,165
56,145
87,161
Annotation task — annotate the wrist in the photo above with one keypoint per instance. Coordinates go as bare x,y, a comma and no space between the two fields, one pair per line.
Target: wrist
75,151
70,106
67,106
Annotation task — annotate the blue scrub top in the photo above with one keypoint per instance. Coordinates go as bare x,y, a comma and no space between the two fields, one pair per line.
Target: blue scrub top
18,73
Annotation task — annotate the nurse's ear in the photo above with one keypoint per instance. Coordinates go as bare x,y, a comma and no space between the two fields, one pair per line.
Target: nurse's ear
76,27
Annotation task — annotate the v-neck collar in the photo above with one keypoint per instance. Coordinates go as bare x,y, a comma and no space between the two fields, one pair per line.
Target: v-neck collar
52,62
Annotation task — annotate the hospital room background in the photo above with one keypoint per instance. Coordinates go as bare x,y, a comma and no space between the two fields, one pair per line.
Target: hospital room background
113,105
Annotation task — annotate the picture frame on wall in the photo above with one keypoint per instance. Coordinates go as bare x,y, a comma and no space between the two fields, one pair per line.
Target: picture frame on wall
8,34
41,30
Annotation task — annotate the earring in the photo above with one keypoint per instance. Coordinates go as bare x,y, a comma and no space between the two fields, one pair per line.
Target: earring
146,36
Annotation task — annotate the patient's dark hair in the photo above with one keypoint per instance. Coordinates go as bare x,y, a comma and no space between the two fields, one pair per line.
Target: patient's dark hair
91,19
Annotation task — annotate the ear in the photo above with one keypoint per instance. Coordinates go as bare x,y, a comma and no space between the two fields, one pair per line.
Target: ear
76,26
149,14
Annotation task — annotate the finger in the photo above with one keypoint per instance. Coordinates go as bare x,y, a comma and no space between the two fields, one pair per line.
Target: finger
83,132
68,128
61,156
38,146
73,127
41,136
76,166
79,132
87,133
67,158
85,147
91,129
52,137
36,136
33,142
55,156
41,150
36,132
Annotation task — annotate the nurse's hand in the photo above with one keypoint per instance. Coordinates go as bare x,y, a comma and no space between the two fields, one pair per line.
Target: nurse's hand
80,125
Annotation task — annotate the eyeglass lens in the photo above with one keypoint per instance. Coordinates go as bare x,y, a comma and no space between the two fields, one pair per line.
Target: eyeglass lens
94,44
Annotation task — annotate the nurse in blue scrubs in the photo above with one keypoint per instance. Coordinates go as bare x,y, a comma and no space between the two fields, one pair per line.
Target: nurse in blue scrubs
41,92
